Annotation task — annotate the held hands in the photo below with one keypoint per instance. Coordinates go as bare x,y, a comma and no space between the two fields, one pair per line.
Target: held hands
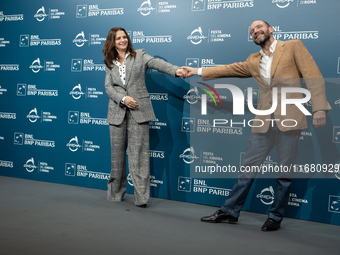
189,71
319,119
186,71
130,102
182,73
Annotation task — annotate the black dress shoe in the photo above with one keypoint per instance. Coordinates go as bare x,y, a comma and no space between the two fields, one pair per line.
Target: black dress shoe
142,206
219,216
271,225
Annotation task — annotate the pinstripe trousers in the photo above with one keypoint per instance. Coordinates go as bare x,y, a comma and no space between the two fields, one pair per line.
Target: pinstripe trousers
134,137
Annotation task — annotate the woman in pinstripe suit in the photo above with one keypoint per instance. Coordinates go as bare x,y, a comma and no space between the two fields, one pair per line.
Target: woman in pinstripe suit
129,113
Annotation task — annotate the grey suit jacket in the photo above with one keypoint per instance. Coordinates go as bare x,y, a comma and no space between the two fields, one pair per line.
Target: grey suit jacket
134,87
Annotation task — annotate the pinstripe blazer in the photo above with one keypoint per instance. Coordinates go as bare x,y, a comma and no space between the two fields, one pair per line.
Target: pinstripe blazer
291,62
134,87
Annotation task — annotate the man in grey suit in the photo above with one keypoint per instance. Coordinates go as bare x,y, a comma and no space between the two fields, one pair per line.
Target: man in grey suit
129,113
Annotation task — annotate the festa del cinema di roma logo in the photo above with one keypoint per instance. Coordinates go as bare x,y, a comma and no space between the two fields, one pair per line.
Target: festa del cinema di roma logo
145,8
282,3
266,196
238,101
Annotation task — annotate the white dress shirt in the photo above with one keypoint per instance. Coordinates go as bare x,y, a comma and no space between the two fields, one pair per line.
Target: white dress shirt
122,71
266,62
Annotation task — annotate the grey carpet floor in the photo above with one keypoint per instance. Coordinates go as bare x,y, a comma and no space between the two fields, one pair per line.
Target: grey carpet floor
46,218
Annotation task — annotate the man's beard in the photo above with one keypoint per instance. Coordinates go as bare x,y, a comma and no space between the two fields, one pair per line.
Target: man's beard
266,37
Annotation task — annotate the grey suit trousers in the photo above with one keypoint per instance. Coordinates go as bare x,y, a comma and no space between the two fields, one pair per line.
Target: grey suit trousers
134,137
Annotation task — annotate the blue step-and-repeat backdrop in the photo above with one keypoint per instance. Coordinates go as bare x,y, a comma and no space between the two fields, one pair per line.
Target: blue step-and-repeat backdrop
53,103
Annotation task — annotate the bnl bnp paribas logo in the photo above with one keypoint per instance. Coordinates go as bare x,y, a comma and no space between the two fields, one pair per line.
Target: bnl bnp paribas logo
202,5
334,204
93,10
280,34
34,40
79,65
74,117
11,17
9,67
336,134
53,14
